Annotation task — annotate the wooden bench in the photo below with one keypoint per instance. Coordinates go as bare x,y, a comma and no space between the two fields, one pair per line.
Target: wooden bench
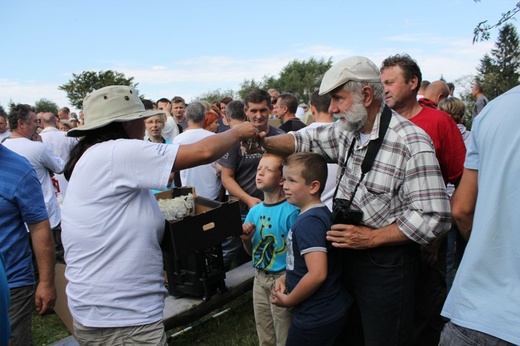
178,311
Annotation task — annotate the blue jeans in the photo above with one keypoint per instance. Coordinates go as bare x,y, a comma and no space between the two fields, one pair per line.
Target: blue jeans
230,248
454,335
455,250
382,281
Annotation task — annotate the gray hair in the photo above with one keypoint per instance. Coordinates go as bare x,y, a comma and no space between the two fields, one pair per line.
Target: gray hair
377,87
19,112
196,112
235,110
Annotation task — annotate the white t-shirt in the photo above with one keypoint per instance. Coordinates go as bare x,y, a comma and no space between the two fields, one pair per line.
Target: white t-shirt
300,113
60,145
43,160
58,142
203,178
332,169
112,229
171,130
4,135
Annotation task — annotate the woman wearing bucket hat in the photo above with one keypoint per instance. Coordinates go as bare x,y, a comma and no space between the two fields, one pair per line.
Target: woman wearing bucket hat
114,262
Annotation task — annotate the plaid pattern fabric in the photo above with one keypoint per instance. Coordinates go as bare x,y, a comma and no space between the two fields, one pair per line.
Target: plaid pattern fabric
405,184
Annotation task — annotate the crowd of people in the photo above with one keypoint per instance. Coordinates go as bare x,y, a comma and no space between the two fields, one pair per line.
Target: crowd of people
371,217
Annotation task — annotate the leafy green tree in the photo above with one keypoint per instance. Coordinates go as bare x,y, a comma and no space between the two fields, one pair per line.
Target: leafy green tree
302,78
507,57
44,105
216,95
247,85
10,106
88,81
487,76
482,30
500,71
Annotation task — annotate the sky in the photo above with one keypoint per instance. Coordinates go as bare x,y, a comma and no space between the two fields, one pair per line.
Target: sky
191,47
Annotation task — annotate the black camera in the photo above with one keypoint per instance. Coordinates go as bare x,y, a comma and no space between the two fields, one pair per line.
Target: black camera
343,213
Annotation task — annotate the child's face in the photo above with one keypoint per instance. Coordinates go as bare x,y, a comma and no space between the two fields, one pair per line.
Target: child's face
296,191
268,175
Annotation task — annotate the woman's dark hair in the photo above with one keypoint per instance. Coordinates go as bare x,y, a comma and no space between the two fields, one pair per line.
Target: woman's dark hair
106,133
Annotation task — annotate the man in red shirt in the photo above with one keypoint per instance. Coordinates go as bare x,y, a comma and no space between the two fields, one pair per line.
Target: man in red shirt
401,77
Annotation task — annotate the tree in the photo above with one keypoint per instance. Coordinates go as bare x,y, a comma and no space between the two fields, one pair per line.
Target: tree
487,76
11,106
481,31
2,111
500,71
246,86
88,81
302,78
44,105
216,95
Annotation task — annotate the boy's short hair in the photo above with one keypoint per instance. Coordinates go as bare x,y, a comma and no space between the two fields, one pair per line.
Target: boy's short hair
280,160
313,167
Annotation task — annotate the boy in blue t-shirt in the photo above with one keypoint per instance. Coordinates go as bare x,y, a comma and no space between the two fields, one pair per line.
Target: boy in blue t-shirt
312,284
265,231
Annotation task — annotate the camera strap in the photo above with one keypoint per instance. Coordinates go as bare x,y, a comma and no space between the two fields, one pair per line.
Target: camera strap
370,156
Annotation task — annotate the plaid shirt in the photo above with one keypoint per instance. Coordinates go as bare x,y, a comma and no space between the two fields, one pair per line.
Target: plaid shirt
405,183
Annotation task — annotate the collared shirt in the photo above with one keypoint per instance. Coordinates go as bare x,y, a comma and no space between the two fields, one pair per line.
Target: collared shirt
405,183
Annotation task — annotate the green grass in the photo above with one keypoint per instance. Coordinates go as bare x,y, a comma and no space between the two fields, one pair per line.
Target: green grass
234,327
48,329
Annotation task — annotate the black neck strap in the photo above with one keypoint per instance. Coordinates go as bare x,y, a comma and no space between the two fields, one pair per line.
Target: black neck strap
373,149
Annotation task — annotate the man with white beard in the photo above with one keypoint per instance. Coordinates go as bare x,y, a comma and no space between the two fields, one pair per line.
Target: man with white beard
389,172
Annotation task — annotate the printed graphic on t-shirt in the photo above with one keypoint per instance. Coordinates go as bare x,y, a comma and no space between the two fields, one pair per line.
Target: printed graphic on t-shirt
161,149
267,249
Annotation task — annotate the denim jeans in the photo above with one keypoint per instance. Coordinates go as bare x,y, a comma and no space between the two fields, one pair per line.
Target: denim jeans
230,248
382,281
454,335
429,297
454,252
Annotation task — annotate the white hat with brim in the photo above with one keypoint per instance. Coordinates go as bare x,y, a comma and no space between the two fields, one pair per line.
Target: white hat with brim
115,103
356,68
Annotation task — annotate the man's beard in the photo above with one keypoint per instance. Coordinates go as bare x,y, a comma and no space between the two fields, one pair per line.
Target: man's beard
355,118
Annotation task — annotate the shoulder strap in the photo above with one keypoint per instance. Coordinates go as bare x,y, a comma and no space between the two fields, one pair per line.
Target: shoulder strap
373,146
373,149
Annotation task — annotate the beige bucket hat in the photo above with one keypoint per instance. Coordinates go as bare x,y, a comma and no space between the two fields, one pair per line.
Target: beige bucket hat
115,103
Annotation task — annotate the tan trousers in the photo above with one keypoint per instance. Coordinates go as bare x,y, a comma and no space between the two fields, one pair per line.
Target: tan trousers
149,334
272,322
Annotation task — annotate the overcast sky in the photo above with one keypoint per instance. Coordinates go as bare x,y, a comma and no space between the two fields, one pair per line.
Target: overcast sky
190,47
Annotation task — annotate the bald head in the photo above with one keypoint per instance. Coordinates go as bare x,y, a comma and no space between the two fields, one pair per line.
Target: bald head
437,91
48,119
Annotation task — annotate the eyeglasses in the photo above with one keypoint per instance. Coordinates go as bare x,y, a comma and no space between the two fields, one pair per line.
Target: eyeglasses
154,122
